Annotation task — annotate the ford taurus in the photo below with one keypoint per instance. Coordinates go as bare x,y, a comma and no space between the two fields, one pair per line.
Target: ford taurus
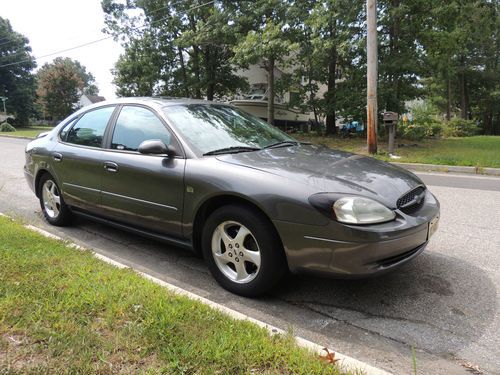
211,178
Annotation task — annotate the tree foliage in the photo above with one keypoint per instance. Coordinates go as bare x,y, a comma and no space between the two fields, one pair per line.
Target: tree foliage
173,48
268,43
17,83
444,51
60,85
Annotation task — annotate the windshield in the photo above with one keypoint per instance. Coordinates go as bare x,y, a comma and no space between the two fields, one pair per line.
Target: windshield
210,127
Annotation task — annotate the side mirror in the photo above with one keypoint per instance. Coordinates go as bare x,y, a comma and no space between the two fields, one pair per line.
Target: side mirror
156,147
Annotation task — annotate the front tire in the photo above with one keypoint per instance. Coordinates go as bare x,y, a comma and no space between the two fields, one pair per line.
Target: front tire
242,250
52,203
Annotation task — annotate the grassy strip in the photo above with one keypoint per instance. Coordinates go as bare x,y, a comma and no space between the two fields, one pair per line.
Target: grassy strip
479,151
64,311
30,132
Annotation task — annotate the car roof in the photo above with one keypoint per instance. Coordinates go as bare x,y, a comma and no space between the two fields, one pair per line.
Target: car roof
157,100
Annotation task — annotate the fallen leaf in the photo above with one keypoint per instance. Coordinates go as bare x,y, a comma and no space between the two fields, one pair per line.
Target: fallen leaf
329,357
472,368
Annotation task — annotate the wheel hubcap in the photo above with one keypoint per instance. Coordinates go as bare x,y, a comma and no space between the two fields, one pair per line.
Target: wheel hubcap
51,199
236,252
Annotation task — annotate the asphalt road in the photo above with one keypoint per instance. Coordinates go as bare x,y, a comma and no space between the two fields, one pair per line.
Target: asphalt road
444,303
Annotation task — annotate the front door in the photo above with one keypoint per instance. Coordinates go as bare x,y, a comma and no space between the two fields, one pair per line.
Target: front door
77,159
137,189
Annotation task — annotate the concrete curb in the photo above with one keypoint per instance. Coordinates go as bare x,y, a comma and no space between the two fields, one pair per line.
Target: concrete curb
16,136
448,168
345,362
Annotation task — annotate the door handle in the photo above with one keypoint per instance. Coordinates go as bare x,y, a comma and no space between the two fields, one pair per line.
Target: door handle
57,156
110,166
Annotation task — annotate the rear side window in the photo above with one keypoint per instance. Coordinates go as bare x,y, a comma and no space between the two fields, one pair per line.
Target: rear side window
136,125
89,130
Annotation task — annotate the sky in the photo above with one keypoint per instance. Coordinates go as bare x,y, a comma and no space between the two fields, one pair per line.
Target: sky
54,25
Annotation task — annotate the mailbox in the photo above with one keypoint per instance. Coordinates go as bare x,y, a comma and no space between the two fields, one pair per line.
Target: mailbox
390,118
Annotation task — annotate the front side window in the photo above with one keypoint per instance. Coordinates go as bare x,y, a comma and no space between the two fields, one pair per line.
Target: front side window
89,130
136,125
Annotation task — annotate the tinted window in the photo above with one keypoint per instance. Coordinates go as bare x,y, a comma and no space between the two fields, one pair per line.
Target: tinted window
65,129
89,130
135,125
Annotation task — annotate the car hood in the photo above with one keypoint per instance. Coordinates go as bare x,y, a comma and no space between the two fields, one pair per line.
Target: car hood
330,170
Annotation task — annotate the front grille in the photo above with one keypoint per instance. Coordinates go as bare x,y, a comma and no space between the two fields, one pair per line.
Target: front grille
412,201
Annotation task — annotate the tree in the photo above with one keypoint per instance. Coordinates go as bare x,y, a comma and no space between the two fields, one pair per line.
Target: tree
173,49
400,53
445,51
463,49
336,28
268,43
17,83
60,85
89,85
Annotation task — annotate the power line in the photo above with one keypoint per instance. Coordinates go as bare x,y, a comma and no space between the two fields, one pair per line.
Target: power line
105,38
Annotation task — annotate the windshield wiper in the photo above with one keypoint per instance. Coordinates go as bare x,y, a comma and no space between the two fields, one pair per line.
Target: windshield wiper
286,143
231,150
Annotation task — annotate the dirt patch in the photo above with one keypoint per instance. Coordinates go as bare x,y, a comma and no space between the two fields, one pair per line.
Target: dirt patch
16,354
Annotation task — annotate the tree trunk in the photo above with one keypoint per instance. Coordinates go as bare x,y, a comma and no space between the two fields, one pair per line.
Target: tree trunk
330,95
196,61
488,122
312,93
448,99
495,124
464,111
463,107
210,69
184,73
270,90
196,68
395,74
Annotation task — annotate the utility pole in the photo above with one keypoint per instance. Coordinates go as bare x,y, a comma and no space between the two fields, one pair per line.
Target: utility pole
372,72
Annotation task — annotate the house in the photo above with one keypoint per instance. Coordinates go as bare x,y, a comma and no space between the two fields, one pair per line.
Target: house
86,100
287,115
256,76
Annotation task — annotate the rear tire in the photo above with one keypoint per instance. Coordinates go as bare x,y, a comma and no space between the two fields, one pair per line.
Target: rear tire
52,203
243,250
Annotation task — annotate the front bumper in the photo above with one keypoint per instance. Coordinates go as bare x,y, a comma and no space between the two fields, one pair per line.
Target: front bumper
29,179
357,251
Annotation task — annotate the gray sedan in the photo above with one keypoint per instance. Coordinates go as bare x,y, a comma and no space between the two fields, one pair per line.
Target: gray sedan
211,178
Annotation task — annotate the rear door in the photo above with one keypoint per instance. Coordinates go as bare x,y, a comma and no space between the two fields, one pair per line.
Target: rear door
142,190
78,157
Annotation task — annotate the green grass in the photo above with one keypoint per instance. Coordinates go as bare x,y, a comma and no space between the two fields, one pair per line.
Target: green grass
30,132
478,151
64,311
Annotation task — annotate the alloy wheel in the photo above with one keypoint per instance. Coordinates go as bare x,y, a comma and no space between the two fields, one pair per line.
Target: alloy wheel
51,199
236,252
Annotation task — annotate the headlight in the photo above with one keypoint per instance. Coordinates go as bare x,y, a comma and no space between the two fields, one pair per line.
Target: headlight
360,210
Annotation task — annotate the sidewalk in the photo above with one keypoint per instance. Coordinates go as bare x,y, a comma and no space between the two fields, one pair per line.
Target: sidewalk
449,168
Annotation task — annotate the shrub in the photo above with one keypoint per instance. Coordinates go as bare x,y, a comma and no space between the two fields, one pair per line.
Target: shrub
458,127
426,123
425,113
419,130
6,127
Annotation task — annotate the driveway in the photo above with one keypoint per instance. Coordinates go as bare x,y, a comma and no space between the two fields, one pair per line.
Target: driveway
445,303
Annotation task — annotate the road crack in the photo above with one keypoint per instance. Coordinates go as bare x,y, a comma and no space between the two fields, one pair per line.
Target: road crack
307,305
